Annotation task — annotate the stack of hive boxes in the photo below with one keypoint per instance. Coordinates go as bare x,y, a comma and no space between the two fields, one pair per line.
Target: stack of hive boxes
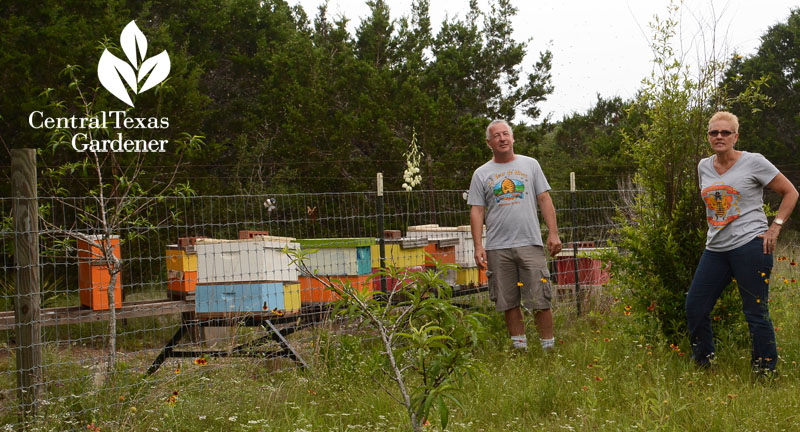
443,251
94,275
334,259
248,275
468,272
406,255
182,268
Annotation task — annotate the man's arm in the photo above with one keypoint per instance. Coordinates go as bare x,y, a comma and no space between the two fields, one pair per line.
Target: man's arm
549,215
476,224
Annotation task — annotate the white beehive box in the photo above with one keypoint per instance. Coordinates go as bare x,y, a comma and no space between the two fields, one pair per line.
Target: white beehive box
250,260
465,250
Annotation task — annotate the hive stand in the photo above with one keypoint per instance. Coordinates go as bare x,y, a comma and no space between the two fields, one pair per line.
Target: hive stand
244,350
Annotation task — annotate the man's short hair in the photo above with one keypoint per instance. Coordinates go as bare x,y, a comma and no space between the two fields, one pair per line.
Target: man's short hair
726,116
494,122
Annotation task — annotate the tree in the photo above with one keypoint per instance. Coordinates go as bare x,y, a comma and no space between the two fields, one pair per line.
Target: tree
771,129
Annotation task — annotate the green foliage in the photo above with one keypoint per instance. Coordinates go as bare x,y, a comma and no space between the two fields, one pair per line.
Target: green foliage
427,341
264,83
771,126
662,233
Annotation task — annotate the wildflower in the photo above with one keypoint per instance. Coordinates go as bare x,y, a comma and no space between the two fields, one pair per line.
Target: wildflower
177,371
277,312
680,353
732,396
590,365
758,300
122,398
717,317
652,306
311,392
426,423
133,409
794,280
411,176
628,307
585,388
544,280
763,274
627,313
519,284
793,263
200,361
766,280
597,378
606,340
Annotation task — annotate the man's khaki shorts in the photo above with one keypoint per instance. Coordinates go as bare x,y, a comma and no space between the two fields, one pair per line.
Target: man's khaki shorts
519,277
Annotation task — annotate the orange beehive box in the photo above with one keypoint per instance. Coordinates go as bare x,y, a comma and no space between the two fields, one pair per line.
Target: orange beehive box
94,276
312,290
184,282
442,250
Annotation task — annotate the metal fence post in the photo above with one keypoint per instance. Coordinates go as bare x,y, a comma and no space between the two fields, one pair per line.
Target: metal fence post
574,212
381,236
28,302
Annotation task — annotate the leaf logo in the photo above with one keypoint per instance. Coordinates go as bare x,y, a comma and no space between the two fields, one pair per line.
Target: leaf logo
114,73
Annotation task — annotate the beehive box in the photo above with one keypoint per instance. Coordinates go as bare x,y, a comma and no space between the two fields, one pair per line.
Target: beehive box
291,296
465,250
314,291
182,282
442,250
239,297
396,283
178,259
406,252
339,256
471,276
248,260
94,276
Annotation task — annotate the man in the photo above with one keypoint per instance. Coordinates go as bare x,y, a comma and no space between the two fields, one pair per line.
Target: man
502,190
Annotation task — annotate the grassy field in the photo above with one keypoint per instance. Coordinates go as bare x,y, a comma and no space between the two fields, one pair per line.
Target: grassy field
607,373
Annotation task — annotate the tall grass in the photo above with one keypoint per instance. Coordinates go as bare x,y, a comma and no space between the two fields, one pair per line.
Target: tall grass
607,373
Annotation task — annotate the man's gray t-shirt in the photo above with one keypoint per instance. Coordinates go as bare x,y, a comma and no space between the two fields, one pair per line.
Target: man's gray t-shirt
508,191
735,200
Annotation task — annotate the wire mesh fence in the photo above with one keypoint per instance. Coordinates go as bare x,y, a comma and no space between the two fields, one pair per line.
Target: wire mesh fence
209,276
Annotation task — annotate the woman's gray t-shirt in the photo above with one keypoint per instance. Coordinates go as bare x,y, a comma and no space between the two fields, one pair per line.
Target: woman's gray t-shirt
509,191
734,200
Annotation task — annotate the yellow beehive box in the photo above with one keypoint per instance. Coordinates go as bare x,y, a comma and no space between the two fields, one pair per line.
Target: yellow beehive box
291,297
471,276
179,260
401,253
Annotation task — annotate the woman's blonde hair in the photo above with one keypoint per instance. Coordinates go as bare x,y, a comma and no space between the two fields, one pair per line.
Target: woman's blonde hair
726,116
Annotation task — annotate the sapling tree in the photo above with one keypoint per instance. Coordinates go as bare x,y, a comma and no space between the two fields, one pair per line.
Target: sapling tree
426,340
121,192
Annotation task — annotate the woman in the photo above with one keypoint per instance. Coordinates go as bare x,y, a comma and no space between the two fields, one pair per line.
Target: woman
739,242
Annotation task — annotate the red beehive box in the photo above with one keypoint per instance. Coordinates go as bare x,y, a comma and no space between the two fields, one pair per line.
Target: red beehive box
94,276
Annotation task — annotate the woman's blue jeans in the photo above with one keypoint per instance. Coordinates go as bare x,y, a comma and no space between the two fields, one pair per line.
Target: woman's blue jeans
751,267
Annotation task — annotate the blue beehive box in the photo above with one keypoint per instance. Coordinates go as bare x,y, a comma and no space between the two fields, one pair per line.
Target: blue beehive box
241,297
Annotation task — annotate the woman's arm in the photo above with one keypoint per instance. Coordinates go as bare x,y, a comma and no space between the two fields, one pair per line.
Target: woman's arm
788,193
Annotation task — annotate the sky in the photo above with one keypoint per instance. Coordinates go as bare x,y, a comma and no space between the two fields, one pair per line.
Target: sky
602,46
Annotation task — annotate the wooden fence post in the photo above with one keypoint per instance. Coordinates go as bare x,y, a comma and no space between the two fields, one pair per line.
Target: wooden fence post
28,302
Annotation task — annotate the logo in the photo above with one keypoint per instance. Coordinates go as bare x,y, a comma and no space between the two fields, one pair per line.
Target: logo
114,72
508,189
722,201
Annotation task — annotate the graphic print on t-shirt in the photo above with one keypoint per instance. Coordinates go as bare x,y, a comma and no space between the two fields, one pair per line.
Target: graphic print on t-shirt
723,202
508,190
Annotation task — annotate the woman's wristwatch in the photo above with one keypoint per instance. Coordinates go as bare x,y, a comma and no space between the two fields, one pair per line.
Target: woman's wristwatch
778,221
